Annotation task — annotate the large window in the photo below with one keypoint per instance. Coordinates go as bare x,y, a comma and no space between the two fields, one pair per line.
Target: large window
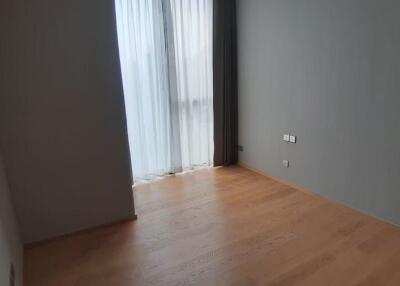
166,63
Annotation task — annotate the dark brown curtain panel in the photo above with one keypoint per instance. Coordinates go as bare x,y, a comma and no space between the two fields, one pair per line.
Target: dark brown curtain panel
225,83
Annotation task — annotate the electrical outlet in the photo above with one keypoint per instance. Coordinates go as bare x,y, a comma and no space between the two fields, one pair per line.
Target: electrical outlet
240,148
285,163
293,139
286,137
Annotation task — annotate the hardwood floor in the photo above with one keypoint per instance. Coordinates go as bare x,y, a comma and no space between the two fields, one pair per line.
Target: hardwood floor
226,226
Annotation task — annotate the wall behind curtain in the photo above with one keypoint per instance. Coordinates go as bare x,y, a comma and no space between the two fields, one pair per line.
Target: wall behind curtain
62,116
328,72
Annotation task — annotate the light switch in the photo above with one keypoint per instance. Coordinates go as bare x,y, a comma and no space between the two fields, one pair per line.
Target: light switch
285,163
286,137
292,139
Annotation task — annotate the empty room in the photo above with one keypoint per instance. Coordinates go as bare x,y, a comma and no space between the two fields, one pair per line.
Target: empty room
199,142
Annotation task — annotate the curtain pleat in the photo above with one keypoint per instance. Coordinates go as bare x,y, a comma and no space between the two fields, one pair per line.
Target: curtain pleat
192,26
142,48
225,83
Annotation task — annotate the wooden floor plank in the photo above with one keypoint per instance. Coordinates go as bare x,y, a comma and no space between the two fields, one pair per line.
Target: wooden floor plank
224,226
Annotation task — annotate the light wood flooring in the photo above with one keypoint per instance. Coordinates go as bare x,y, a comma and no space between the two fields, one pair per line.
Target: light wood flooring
224,226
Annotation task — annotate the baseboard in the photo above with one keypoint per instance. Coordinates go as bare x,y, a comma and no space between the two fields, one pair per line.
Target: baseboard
81,231
339,203
262,173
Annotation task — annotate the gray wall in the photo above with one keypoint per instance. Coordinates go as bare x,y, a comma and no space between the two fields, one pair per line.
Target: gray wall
327,71
10,242
62,116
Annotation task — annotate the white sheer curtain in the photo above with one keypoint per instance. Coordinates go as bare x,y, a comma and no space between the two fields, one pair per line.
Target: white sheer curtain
192,26
166,62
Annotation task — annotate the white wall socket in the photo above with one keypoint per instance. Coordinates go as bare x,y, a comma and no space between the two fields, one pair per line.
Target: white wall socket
286,137
285,163
292,139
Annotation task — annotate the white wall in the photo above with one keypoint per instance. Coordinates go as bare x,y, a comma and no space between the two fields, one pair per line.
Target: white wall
11,251
327,71
62,116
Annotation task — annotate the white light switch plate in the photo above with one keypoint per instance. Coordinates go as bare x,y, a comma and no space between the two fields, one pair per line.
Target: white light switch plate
286,137
292,139
285,163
